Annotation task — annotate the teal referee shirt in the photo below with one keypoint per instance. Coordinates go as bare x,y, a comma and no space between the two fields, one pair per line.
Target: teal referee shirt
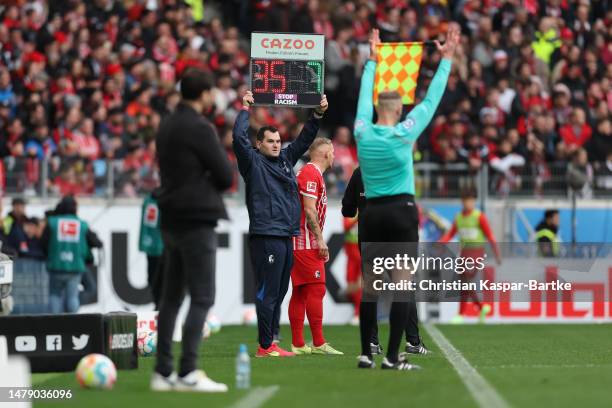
385,152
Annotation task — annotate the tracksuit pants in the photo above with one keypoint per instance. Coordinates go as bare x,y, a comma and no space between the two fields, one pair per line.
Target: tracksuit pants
272,259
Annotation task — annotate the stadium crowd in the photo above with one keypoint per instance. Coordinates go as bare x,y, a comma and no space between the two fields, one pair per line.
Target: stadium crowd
85,84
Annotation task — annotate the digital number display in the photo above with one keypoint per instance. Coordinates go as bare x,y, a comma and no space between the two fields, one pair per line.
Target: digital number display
287,82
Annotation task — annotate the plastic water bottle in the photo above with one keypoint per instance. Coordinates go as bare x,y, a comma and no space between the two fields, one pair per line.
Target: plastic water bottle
243,368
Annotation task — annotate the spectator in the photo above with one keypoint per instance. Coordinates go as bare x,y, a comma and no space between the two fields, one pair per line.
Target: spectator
41,145
603,175
16,217
506,163
475,152
600,145
580,174
116,63
345,154
575,134
87,144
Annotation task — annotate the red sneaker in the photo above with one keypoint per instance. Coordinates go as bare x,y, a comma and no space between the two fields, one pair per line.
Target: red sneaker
283,353
273,351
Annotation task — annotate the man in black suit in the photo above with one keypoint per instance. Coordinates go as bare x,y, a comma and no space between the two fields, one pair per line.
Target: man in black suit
194,170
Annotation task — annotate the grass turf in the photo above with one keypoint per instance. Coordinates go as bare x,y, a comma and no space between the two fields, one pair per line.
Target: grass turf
529,365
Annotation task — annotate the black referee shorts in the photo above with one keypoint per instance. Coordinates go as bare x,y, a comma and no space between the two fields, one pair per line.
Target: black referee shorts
388,224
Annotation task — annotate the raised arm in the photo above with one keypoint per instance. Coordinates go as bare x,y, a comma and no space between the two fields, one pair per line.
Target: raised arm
419,117
297,148
365,104
240,137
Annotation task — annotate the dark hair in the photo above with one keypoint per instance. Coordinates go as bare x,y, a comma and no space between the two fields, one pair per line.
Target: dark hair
548,214
468,192
18,201
193,82
32,221
67,205
263,129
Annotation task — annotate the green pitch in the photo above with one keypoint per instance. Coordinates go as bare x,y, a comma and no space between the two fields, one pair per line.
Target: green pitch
527,365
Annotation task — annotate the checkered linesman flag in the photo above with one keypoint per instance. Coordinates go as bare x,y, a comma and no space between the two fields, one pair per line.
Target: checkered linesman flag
398,69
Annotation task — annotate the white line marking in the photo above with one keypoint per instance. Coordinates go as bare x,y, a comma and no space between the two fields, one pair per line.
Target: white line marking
256,397
485,395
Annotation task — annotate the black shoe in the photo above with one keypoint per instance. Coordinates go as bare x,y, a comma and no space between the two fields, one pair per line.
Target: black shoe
401,365
366,362
376,349
417,349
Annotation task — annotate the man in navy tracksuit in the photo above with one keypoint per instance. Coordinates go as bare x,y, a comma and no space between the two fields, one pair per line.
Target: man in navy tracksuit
274,213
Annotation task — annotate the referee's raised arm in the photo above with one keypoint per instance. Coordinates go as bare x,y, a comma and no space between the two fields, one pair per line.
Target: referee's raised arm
365,105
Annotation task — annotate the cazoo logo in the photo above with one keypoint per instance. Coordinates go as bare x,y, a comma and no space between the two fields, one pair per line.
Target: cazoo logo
287,43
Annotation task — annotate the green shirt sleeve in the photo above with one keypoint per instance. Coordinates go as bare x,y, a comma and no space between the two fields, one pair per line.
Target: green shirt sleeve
417,120
365,105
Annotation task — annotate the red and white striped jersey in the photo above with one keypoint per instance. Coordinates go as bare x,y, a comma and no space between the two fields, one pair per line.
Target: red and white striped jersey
310,184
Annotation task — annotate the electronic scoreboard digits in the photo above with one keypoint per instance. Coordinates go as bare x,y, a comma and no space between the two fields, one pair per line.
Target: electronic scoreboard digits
287,69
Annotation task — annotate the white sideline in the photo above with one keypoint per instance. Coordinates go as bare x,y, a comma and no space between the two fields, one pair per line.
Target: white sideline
256,397
485,395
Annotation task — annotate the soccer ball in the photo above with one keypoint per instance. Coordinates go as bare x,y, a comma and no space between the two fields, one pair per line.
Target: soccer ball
214,323
96,371
147,343
249,318
206,331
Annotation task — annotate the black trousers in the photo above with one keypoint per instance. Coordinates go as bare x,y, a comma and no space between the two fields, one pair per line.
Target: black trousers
389,219
155,277
189,265
272,259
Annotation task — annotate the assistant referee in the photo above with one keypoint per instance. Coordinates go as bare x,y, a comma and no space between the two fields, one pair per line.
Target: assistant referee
385,150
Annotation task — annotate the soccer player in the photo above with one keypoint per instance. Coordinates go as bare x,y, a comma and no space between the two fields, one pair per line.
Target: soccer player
473,228
310,253
273,204
385,149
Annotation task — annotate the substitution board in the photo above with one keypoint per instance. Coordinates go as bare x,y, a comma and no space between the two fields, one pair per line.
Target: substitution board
287,69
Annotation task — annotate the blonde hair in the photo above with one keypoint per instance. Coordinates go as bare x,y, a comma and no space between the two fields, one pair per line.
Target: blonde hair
388,101
318,142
